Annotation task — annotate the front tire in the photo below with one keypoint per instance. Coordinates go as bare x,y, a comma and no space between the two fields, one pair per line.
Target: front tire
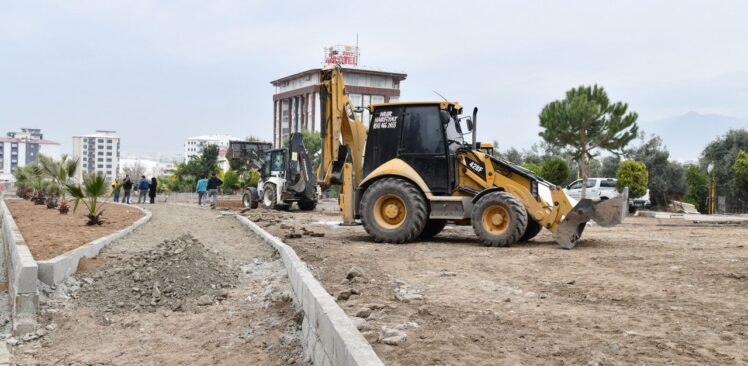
432,228
248,201
499,219
269,197
532,230
394,210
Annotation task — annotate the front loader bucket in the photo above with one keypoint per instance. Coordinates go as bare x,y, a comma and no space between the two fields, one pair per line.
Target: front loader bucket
605,213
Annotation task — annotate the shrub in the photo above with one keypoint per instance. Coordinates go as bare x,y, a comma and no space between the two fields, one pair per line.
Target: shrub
555,170
632,174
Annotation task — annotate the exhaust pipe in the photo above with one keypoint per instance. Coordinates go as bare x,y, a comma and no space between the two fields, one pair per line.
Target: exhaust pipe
475,126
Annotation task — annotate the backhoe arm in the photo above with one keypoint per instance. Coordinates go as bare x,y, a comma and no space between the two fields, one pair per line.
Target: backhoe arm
343,139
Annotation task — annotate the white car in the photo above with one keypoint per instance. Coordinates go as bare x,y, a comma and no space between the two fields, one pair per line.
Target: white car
597,189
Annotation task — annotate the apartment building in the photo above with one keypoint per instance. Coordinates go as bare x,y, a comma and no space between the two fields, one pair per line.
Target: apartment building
18,149
98,152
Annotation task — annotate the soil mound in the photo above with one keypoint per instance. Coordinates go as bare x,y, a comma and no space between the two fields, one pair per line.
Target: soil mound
178,274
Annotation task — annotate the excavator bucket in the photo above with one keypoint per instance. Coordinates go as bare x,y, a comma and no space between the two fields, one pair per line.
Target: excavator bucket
605,213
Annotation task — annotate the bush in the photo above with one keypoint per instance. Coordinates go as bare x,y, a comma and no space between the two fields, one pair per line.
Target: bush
535,168
740,171
697,190
632,174
230,182
555,170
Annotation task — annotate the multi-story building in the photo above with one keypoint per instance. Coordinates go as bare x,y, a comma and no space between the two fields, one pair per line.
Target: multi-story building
296,102
19,149
194,146
98,153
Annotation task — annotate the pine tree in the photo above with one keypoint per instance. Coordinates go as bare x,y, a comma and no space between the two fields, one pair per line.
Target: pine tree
586,121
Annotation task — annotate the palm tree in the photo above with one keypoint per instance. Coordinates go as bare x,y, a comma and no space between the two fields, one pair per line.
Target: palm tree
60,173
93,187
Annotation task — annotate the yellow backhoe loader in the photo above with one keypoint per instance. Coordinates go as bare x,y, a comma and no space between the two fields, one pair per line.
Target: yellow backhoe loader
412,172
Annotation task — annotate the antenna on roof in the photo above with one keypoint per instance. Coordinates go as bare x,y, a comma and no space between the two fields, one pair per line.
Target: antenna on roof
437,93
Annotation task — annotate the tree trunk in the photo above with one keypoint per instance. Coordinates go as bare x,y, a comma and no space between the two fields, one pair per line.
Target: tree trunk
583,161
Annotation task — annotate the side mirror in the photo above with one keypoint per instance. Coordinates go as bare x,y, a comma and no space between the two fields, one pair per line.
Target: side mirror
469,122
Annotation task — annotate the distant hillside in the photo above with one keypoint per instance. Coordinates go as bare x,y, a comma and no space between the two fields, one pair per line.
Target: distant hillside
687,135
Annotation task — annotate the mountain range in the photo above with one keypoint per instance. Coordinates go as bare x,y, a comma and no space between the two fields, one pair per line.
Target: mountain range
686,135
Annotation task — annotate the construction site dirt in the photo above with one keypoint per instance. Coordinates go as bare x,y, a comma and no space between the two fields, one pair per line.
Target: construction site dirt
191,287
638,293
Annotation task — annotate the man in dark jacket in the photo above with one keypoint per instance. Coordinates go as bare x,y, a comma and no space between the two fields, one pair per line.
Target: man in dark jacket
143,189
213,184
127,186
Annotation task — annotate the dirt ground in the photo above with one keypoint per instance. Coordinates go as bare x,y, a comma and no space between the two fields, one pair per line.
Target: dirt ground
638,293
191,287
229,203
49,234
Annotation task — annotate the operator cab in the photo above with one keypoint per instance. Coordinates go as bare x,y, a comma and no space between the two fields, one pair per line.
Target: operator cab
425,135
275,165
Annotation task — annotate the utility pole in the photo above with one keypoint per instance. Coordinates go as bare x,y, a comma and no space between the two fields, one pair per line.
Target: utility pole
711,205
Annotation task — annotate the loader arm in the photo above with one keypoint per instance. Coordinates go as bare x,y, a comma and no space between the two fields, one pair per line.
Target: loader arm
343,139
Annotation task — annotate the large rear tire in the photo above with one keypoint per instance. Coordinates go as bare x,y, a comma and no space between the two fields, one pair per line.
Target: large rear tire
307,205
532,230
499,219
393,211
269,197
432,229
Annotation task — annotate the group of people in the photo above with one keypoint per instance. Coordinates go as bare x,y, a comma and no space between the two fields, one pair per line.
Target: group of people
143,189
209,186
147,188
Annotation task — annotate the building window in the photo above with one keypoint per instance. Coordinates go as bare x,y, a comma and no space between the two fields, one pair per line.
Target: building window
108,160
101,141
85,140
84,158
85,165
108,147
109,166
101,153
109,141
100,166
100,159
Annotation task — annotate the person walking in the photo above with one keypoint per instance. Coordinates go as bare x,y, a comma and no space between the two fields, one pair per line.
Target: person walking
213,184
200,188
115,189
127,187
142,189
152,190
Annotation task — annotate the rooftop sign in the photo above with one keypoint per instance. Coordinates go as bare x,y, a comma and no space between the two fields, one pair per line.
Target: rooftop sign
342,55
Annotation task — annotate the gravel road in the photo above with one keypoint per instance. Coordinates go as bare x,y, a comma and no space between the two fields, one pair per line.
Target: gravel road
246,320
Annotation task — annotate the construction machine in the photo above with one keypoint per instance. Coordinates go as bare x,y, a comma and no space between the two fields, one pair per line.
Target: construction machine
413,171
286,176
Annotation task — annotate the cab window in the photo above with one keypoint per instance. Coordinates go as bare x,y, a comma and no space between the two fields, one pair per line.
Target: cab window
608,183
422,131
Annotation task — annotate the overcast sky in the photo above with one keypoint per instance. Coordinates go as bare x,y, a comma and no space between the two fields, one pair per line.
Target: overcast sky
161,71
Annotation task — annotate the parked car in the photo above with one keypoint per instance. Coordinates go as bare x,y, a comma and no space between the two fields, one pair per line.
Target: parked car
640,202
597,189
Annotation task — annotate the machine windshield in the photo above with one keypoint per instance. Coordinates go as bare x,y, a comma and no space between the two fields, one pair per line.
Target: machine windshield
453,131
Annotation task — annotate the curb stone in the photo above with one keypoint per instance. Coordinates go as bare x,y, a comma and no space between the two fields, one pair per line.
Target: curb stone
330,337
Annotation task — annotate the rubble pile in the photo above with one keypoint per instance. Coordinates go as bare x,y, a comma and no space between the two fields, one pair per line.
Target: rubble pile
178,274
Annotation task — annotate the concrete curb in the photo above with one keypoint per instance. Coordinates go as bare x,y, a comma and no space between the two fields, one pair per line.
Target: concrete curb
329,335
55,270
23,293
